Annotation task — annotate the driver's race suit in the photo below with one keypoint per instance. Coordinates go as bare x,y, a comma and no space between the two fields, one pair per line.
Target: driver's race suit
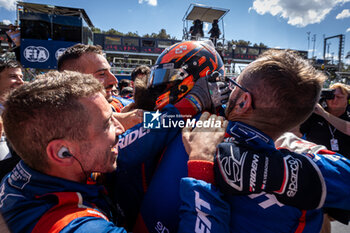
263,212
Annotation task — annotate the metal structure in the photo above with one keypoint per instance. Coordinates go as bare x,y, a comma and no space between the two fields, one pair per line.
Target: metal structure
205,14
340,51
47,30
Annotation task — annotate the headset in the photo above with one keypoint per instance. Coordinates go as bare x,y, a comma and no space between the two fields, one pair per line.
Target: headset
64,153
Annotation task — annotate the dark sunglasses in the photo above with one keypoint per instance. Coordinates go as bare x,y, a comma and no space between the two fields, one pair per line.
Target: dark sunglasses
241,87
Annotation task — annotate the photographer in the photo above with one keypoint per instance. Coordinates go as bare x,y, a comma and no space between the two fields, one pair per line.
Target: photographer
330,126
340,124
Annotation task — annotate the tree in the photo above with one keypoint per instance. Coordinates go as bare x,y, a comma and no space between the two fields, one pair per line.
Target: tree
246,43
163,35
262,45
112,31
96,30
241,42
134,34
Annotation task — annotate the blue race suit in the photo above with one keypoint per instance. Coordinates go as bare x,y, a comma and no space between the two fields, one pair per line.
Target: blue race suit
139,152
31,201
27,195
161,203
119,102
262,212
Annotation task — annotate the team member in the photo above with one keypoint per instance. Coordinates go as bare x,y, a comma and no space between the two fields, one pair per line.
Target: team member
64,129
161,188
259,111
89,59
140,148
11,77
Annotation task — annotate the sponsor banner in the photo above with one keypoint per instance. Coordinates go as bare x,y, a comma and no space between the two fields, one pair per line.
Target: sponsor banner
42,54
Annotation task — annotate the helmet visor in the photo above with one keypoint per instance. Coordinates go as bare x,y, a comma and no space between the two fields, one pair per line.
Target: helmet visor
165,73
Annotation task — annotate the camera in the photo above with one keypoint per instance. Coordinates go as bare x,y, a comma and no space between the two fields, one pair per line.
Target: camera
326,94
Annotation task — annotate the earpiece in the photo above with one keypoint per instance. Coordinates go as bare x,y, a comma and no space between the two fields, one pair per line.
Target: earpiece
64,153
241,104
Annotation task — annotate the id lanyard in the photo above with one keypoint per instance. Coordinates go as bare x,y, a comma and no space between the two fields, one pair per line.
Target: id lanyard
334,141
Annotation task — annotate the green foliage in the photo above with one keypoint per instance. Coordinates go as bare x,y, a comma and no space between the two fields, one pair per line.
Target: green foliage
134,34
246,43
96,30
112,31
161,35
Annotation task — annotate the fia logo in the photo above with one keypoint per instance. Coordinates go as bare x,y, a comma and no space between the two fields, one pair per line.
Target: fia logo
181,49
151,120
36,54
59,52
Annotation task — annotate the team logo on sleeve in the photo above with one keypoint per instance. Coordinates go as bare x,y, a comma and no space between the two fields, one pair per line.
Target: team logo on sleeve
231,168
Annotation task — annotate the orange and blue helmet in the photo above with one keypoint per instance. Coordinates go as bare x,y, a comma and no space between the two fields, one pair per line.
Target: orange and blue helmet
180,66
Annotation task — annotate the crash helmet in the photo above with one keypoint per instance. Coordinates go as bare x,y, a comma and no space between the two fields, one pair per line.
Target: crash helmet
180,66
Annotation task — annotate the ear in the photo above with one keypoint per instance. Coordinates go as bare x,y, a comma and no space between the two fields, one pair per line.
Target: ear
244,103
52,149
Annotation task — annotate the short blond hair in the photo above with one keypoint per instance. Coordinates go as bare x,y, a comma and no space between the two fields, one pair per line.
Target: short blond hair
345,89
47,109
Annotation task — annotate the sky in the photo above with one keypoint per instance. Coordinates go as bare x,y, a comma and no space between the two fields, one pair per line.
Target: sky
276,23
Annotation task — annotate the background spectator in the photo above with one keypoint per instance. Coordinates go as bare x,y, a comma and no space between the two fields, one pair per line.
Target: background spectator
214,32
124,83
14,40
317,129
141,72
127,92
10,77
196,30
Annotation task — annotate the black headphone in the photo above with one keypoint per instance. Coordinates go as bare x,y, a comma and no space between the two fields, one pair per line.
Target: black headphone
64,153
241,104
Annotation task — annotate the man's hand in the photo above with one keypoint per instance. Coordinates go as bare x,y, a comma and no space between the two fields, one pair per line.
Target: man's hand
200,143
211,93
319,110
129,119
128,107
